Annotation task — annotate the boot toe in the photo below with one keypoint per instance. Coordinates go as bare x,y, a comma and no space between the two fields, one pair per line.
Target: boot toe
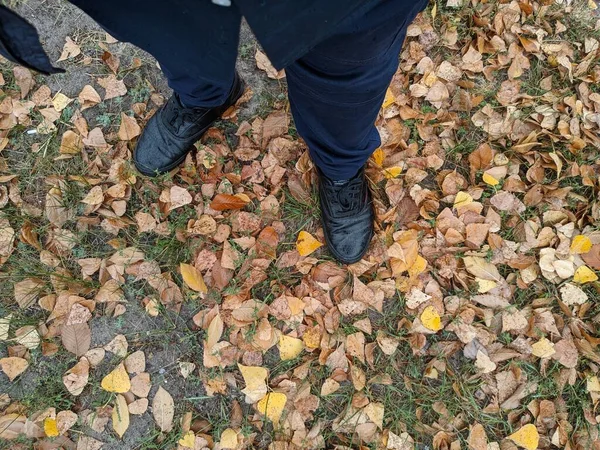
348,239
152,156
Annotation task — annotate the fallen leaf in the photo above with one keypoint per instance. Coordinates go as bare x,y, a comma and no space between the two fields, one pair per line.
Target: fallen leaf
329,386
60,101
543,348
572,295
289,347
229,439
580,244
188,440
526,437
163,410
480,268
375,412
223,202
13,366
117,381
113,87
50,427
272,406
71,143
584,274
76,378
256,382
431,319
484,363
70,50
193,278
263,63
306,243
129,128
120,416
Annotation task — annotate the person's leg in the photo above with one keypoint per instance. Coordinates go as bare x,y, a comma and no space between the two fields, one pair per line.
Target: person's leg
195,42
337,89
335,94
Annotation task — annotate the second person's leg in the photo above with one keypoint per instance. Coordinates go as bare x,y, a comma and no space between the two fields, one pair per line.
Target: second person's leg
195,42
335,93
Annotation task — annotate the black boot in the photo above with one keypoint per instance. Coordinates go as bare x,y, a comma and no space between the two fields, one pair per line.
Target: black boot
170,134
347,216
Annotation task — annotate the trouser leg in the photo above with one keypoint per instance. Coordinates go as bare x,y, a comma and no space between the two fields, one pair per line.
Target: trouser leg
195,41
337,89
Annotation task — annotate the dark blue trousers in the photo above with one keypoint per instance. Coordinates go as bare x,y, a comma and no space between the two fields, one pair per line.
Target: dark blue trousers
335,90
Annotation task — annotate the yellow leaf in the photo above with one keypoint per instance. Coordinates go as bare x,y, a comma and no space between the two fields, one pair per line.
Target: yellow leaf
430,319
418,267
189,440
389,99
193,278
392,172
378,157
434,11
526,437
256,382
375,412
306,243
117,381
488,179
229,439
580,244
584,274
60,101
312,337
462,199
120,416
272,406
215,331
289,347
50,427
592,5
484,286
593,384
543,348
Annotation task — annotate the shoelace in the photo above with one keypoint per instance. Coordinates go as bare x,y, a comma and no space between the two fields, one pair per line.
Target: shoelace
182,117
348,194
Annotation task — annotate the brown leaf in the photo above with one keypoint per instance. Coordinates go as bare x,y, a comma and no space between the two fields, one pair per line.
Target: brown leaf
13,366
56,213
88,97
76,378
223,202
70,50
129,128
263,63
477,438
276,124
27,291
71,143
163,409
76,338
112,61
113,87
24,79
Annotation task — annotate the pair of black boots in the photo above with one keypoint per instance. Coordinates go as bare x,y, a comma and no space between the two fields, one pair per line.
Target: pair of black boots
346,209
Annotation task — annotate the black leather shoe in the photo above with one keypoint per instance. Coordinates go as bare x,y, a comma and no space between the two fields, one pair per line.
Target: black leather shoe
347,216
170,134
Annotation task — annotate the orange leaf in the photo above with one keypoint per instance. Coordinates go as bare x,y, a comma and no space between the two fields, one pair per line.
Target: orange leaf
222,202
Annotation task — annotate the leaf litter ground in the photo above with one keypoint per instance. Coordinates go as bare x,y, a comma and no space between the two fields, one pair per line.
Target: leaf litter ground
201,310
